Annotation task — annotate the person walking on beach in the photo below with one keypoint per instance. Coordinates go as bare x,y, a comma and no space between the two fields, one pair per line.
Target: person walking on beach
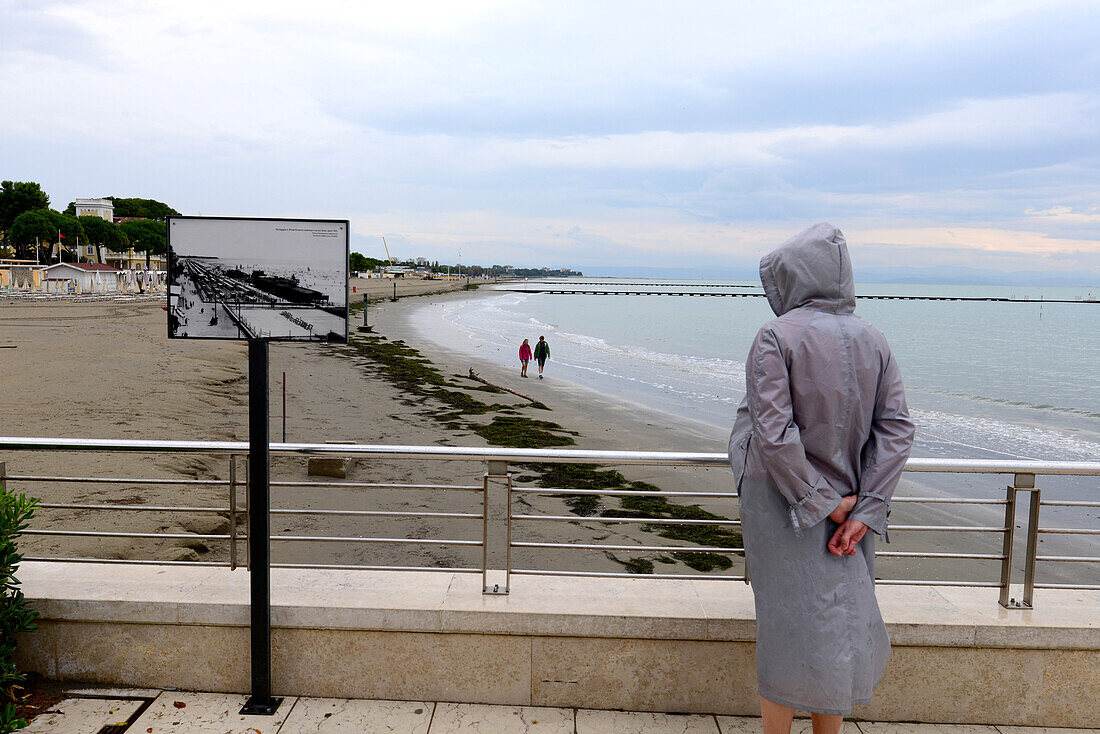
817,449
542,353
524,357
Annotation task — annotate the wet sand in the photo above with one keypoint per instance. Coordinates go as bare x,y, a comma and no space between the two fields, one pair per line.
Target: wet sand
107,370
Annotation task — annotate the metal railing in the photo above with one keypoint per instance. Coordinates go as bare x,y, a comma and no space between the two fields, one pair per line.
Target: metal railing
499,490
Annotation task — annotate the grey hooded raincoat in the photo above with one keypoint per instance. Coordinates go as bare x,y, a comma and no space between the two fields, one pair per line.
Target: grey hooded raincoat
824,416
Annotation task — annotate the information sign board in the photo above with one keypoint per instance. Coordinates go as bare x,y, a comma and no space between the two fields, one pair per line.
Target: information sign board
258,279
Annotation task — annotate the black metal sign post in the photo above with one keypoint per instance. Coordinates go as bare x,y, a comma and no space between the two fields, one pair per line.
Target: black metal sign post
209,259
259,530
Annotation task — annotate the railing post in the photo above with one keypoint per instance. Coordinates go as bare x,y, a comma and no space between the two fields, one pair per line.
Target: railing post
496,539
1006,553
232,512
3,476
1022,482
1032,542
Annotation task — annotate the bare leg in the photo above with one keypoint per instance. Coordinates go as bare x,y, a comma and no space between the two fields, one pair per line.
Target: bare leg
826,723
777,717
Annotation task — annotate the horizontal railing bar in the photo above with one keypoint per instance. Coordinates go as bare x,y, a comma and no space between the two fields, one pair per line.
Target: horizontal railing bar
641,548
1080,587
129,508
1068,503
382,485
950,528
111,534
453,453
613,575
727,495
672,521
622,492
914,554
489,453
1069,559
917,582
642,520
356,539
1070,531
350,567
114,480
741,551
120,561
949,501
380,513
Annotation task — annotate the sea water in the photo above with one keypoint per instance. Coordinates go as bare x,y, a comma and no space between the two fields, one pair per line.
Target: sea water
986,380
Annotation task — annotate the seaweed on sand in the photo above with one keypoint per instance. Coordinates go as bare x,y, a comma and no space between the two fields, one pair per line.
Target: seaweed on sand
524,433
406,368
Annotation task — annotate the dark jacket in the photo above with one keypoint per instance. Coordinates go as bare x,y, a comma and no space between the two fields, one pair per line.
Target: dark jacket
542,350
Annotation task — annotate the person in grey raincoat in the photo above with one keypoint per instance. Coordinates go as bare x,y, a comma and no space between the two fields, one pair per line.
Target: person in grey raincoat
817,449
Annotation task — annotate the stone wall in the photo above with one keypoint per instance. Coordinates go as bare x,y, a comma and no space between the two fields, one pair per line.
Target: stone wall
637,644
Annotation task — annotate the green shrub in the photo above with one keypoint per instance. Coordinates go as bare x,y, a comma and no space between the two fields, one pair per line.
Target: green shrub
15,614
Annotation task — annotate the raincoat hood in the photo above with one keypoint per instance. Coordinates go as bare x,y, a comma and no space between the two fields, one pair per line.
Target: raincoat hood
810,269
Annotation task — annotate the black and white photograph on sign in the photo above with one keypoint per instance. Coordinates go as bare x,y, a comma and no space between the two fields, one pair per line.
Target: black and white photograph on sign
274,279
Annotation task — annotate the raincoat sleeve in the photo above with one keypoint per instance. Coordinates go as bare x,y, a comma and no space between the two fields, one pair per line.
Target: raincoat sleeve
885,452
777,438
739,442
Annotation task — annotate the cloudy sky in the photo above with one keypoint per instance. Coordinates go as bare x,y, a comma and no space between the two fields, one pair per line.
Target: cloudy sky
580,133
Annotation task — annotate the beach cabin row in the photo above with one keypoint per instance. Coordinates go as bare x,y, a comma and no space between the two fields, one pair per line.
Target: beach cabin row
78,278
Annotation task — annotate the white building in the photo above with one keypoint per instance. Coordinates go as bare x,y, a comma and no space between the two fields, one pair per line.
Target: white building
102,208
134,260
81,278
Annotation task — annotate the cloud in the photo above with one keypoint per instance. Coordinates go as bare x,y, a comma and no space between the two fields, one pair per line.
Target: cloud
581,131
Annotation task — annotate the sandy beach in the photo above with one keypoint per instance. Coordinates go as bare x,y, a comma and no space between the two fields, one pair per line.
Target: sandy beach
107,370
383,288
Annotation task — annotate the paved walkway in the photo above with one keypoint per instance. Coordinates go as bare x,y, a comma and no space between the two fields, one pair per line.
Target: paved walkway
95,710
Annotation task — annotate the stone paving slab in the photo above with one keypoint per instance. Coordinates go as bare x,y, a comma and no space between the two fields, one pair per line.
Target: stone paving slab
344,716
83,716
752,725
218,713
461,718
206,713
870,727
633,722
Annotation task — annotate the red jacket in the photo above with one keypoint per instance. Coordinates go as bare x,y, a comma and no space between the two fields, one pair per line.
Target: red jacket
525,352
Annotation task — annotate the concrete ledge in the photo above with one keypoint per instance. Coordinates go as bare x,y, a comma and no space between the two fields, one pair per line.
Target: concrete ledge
640,644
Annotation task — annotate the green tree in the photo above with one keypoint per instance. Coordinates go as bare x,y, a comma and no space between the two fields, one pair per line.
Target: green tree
17,197
146,235
134,207
144,208
357,261
73,232
101,233
31,230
